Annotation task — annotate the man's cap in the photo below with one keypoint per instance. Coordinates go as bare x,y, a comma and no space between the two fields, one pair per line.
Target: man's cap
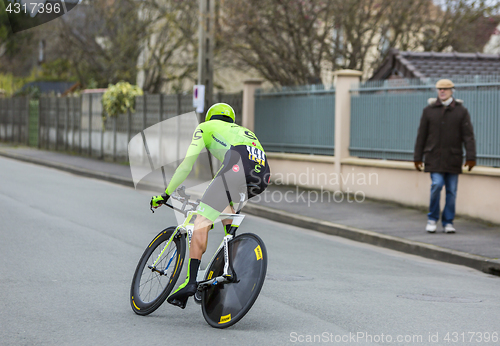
444,84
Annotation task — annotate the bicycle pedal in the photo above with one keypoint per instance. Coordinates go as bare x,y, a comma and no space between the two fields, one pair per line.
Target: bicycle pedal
197,297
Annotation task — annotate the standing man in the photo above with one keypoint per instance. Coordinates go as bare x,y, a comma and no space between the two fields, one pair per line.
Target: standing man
444,127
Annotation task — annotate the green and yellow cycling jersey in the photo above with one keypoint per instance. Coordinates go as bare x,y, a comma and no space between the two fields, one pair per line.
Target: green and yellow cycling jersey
217,136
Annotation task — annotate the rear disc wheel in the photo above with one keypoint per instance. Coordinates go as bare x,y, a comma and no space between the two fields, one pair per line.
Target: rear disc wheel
225,304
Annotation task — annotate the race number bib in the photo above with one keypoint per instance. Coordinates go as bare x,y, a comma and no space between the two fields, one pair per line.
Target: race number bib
255,154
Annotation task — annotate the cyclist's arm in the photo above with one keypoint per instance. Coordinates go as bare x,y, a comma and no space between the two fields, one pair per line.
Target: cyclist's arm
181,173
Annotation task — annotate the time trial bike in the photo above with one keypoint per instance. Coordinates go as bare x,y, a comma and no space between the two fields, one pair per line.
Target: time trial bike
231,282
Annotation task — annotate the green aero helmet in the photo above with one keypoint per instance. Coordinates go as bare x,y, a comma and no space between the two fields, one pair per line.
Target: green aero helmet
220,111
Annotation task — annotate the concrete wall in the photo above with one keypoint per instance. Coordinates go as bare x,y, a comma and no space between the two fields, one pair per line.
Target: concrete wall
478,190
394,181
311,171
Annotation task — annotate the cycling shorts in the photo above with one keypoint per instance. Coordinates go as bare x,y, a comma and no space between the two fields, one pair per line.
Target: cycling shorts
242,165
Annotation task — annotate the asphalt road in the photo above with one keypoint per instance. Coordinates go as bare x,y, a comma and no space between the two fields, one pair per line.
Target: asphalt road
69,246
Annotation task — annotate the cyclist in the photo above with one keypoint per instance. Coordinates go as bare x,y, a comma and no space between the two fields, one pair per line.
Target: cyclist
243,161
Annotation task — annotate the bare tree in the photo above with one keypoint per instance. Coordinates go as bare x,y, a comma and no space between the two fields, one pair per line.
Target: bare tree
109,41
364,30
170,44
288,40
284,40
356,25
101,39
461,24
400,27
16,49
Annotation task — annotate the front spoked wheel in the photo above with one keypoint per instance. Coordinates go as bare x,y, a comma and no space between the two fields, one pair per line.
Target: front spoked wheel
153,282
225,304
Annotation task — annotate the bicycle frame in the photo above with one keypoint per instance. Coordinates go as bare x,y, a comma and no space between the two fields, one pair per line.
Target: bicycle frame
187,227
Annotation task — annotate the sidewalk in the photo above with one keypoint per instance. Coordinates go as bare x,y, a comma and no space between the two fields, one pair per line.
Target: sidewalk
475,244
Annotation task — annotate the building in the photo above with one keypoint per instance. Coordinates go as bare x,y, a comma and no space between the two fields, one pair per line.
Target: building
436,65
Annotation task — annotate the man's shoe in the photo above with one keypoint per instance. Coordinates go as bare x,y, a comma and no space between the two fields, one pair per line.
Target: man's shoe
180,296
448,228
431,226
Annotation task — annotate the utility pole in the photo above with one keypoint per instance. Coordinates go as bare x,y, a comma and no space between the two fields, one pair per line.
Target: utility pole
206,58
206,51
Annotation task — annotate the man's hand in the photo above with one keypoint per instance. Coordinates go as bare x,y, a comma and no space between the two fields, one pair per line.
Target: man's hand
418,165
470,164
157,201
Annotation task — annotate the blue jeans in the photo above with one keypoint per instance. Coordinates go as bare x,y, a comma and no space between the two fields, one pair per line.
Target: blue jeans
439,180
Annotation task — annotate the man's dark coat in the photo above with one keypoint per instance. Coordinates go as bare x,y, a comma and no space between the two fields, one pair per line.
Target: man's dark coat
440,136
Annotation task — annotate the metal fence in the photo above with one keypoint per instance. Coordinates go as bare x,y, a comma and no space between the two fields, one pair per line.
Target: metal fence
33,123
296,120
76,123
385,117
59,121
14,119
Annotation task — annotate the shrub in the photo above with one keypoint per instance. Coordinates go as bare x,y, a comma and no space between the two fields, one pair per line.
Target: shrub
119,98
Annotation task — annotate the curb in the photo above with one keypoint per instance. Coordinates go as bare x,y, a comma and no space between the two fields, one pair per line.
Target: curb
484,264
79,171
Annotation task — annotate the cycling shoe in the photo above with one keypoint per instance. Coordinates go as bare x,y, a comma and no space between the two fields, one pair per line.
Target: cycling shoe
180,297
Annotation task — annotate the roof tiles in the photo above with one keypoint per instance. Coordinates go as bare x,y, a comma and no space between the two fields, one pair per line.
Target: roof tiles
434,64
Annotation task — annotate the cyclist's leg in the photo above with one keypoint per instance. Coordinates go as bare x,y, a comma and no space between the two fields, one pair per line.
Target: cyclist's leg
198,246
214,201
202,226
200,236
227,222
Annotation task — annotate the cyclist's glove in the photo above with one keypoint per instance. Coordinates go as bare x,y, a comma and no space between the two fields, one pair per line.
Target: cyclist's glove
157,201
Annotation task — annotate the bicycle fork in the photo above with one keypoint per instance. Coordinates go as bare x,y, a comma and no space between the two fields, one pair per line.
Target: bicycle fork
230,233
153,266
